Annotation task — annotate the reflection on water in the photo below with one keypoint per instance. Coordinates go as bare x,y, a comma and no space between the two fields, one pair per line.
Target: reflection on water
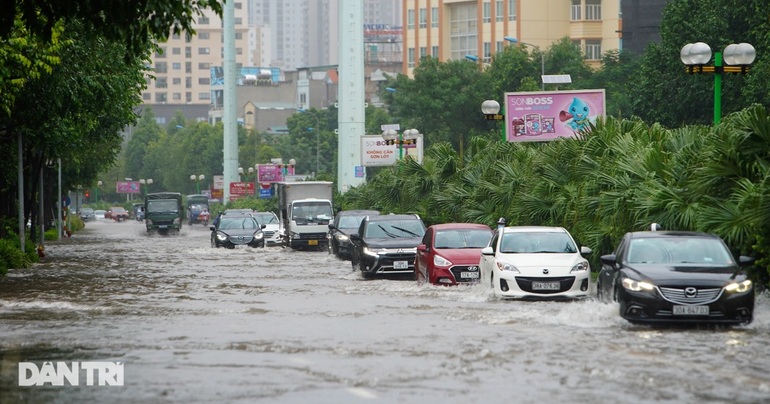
193,323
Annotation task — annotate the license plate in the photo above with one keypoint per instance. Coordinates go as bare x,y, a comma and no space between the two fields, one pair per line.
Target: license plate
400,264
163,226
691,310
545,285
469,275
312,242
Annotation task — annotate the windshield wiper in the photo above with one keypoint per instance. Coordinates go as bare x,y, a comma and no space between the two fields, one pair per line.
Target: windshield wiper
391,235
406,231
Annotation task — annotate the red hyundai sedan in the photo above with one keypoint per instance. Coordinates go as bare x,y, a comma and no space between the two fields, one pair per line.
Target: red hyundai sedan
450,253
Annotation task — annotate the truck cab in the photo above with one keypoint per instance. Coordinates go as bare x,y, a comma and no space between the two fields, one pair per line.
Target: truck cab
305,211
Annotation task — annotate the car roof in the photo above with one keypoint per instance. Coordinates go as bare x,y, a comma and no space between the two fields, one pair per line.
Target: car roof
446,226
670,233
358,212
534,229
383,218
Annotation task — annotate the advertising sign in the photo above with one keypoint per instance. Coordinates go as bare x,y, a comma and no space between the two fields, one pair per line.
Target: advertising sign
269,173
219,182
127,187
376,152
241,188
547,115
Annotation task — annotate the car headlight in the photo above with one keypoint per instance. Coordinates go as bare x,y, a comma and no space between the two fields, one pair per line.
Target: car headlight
370,252
221,237
507,267
342,237
580,267
636,286
258,235
440,261
739,287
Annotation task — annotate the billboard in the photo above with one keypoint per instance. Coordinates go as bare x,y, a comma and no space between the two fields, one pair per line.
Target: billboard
547,115
375,152
269,173
127,187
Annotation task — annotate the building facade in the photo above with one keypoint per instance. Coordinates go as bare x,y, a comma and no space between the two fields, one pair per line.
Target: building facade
454,29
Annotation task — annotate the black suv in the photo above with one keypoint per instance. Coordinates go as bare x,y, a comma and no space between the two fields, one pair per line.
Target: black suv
345,223
386,244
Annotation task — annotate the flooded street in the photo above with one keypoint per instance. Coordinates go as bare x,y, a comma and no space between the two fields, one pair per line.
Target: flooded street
195,324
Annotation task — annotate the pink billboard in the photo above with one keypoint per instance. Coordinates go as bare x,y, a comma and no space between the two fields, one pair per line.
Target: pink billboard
547,115
127,187
267,173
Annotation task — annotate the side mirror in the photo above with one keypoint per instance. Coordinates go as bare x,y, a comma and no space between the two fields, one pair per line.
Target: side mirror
355,237
487,251
422,248
745,261
585,250
332,226
263,226
212,228
609,260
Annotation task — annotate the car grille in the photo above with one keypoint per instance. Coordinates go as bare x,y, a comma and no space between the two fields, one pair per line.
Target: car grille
268,233
385,261
565,284
691,295
312,236
456,270
240,239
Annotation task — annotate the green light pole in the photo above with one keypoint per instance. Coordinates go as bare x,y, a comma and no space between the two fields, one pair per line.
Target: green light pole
98,185
738,57
197,180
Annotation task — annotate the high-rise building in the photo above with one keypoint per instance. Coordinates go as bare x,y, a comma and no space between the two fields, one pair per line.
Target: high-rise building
453,29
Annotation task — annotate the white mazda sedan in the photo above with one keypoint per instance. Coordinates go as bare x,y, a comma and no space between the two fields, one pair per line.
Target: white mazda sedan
535,262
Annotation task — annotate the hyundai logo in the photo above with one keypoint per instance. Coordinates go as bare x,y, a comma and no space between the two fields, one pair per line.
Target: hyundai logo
545,271
473,269
690,292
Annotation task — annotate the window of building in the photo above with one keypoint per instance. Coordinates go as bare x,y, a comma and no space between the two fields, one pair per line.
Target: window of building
423,18
203,20
204,35
410,57
187,52
204,96
161,67
188,37
204,66
511,10
176,96
409,19
593,49
204,80
176,66
161,82
487,50
434,51
238,6
434,17
188,97
463,31
177,81
188,67
204,51
160,53
146,96
188,82
239,51
423,51
487,12
593,9
176,51
176,36
239,35
575,10
238,21
499,45
499,10
160,97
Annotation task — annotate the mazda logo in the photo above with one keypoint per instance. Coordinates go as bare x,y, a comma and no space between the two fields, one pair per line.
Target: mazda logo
690,292
545,271
240,237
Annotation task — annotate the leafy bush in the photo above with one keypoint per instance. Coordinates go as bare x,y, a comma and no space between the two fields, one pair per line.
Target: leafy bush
12,257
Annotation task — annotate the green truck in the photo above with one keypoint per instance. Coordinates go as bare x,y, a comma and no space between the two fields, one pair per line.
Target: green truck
163,212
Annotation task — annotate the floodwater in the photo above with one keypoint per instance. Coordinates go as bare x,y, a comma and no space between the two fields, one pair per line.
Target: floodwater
191,323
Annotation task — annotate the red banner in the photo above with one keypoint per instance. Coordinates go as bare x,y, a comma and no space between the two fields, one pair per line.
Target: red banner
241,188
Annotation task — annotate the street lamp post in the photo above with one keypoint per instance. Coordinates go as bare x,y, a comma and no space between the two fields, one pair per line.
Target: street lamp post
197,180
98,185
491,111
408,136
737,56
542,57
146,183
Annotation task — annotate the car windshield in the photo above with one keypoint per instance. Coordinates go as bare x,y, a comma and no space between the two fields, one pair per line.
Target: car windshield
161,205
87,210
318,212
244,222
119,210
537,242
678,250
266,218
350,222
394,229
462,238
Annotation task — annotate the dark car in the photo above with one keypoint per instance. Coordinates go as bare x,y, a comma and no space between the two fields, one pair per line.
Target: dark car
677,277
386,244
87,214
450,253
346,222
239,229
